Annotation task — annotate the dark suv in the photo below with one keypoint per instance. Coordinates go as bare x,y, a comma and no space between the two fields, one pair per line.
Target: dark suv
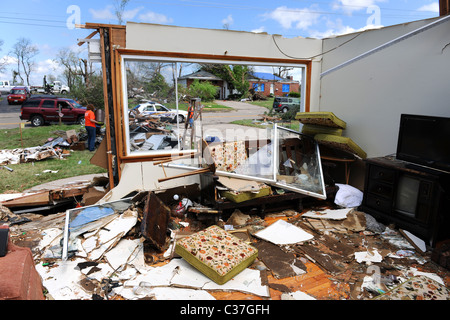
284,104
41,110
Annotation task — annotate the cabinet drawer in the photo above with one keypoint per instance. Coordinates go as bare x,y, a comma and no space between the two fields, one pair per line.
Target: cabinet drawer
382,174
381,189
379,203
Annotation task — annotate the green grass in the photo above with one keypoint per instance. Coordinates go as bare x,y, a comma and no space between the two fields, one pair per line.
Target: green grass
263,103
32,136
27,175
294,125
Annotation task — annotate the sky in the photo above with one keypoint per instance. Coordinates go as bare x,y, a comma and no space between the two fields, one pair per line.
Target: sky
50,24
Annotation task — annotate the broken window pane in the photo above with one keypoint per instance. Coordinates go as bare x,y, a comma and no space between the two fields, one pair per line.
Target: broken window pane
298,164
89,218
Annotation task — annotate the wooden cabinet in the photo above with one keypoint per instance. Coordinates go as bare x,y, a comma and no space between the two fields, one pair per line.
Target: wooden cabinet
413,198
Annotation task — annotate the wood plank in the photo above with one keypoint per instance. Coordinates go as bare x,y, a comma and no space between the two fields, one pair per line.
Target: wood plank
327,260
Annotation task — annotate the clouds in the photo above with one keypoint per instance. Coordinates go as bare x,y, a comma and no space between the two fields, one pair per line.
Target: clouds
108,13
321,22
152,17
294,18
228,21
350,6
432,7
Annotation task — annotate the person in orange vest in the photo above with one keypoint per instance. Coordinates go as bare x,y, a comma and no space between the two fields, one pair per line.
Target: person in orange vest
89,124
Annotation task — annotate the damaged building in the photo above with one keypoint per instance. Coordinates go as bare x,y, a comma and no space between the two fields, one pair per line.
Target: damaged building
337,210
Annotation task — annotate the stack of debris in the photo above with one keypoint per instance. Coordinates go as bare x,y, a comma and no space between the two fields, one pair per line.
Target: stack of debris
58,148
152,132
144,247
54,199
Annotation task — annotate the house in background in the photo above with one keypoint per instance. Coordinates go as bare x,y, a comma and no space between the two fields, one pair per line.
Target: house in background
262,82
269,84
202,75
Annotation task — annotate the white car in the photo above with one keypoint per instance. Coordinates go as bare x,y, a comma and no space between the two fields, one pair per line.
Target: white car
158,110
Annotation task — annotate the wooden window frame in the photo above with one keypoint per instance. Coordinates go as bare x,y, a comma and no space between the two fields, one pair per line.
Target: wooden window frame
121,54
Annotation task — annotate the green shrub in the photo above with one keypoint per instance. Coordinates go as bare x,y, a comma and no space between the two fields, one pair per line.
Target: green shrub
204,90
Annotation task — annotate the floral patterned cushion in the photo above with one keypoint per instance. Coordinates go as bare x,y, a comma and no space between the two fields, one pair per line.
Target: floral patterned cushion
216,253
417,288
229,155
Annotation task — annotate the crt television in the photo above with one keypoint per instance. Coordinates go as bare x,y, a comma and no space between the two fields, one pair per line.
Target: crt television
425,141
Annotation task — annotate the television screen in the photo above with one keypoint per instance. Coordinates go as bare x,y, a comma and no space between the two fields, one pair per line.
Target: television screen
424,140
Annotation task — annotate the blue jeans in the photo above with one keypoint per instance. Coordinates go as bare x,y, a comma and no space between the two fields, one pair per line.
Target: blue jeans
91,137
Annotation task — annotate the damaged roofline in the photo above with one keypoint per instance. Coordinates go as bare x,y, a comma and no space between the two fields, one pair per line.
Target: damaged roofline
387,44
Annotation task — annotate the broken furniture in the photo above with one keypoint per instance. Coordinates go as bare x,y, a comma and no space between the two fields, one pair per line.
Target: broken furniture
216,253
19,279
411,198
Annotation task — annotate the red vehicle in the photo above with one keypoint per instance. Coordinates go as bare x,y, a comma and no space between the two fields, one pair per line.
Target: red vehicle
18,95
41,110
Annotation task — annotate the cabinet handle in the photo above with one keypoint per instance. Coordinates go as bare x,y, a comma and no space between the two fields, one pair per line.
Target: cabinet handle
377,202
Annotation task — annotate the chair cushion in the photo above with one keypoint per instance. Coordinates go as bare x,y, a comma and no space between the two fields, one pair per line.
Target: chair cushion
322,118
342,143
216,253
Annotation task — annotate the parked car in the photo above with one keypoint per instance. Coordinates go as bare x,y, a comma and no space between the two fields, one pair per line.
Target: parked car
18,95
159,111
41,110
5,86
284,104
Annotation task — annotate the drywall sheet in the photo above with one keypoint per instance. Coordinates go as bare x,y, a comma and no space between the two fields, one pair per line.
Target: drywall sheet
282,232
180,273
338,214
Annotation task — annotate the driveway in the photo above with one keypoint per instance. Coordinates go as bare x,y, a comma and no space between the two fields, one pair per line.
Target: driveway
219,123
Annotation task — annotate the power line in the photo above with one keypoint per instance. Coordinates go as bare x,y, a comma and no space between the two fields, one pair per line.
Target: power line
45,20
33,24
205,4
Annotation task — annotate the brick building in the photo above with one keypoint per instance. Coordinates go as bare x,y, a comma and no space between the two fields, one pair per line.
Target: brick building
267,83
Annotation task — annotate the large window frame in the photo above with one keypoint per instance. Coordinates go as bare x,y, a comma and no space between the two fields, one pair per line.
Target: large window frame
127,54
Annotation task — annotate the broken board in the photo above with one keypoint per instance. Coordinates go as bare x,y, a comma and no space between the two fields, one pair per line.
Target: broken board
155,221
281,263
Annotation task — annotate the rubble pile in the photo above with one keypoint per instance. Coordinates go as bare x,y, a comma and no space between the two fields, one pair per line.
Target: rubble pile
55,147
125,250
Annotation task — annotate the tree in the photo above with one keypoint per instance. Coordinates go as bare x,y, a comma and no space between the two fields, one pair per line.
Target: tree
89,94
204,90
25,51
3,63
75,66
119,6
235,75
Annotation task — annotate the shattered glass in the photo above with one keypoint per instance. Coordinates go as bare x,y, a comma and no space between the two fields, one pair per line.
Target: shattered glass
85,219
298,163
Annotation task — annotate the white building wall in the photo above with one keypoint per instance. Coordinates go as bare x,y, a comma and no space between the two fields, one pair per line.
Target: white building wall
412,76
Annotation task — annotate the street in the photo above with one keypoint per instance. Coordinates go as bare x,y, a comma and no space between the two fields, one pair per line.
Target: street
9,115
219,123
214,123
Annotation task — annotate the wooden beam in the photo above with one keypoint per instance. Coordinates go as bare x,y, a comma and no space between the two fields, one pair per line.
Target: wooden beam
107,122
444,7
88,37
